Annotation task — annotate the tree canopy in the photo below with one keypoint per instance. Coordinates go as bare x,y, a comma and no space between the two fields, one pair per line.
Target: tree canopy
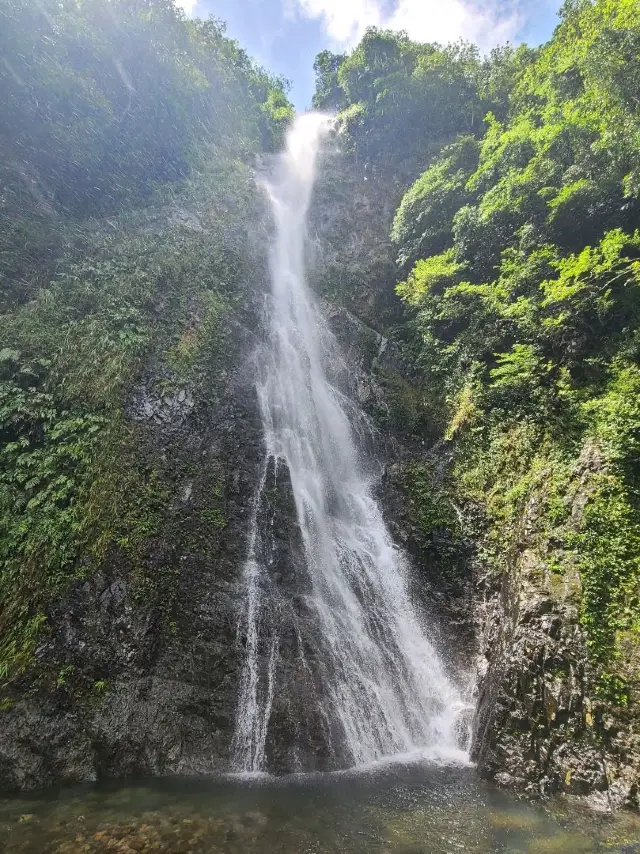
519,250
104,100
400,101
125,205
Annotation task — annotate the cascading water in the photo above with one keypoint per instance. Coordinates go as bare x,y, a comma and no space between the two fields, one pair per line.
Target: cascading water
380,686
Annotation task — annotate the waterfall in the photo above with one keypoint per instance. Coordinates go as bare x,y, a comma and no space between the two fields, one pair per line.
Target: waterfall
381,688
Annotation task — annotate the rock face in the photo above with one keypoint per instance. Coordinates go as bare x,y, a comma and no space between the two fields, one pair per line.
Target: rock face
540,726
138,670
298,736
349,223
123,685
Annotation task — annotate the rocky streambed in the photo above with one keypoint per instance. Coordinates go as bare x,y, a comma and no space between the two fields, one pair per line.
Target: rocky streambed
404,810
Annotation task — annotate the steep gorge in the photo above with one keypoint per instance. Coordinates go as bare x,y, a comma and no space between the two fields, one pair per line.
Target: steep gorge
139,667
500,401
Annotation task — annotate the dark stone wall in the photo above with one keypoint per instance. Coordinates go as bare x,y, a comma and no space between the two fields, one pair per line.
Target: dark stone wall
540,725
135,678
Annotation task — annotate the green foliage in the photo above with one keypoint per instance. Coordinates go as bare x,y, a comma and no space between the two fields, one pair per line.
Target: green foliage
520,371
401,101
615,419
103,102
561,162
429,276
608,550
423,222
328,94
109,106
522,262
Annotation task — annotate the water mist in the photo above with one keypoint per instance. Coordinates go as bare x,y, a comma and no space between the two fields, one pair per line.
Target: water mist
383,689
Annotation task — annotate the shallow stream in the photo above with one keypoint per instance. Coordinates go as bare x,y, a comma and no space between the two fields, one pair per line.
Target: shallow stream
413,809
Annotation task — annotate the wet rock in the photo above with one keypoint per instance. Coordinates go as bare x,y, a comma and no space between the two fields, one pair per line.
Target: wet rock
147,646
537,710
114,594
169,410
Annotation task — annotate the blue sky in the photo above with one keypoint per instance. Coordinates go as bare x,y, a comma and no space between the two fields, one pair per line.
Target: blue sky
285,35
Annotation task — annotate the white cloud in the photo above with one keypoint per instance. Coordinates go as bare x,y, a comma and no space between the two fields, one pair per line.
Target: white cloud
344,20
483,22
187,5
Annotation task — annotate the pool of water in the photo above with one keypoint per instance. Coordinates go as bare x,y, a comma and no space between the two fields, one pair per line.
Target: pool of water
412,809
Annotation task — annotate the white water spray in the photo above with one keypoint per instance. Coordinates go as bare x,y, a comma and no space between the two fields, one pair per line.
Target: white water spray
383,689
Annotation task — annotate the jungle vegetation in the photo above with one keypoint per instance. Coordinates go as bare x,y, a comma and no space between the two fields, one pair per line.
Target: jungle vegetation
518,274
518,255
126,138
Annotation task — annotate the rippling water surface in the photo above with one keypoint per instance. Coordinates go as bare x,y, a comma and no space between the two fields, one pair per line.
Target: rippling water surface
415,809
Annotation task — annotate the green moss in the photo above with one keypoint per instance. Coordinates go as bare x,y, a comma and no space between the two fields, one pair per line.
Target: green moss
431,507
64,675
215,517
578,514
607,546
410,409
433,517
76,481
